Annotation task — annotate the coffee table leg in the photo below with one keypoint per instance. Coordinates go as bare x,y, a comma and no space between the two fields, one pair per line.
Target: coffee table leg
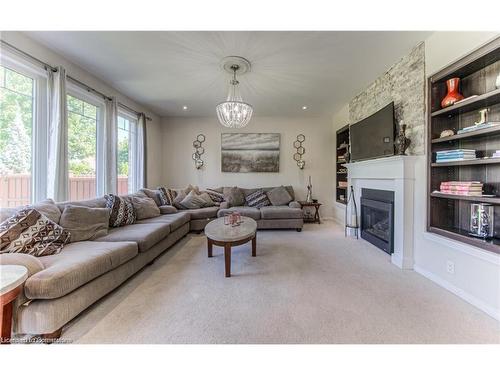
210,247
254,246
6,322
227,258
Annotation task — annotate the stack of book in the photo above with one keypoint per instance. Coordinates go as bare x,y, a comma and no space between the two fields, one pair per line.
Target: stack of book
343,184
474,188
484,125
455,155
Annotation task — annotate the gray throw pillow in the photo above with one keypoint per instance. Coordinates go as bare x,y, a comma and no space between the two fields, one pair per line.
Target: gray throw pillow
192,201
153,194
279,196
47,207
145,207
180,195
234,196
85,223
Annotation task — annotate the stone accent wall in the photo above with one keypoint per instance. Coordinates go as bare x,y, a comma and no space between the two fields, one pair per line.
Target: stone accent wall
404,84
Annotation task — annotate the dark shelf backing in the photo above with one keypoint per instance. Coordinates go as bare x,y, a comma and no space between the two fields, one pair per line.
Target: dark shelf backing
479,101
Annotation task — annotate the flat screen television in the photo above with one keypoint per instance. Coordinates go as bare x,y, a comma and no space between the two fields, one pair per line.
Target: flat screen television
373,137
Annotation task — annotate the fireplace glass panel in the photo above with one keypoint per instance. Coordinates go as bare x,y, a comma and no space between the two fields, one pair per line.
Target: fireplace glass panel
377,223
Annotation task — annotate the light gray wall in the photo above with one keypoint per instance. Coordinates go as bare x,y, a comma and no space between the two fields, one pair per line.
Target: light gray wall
45,54
179,170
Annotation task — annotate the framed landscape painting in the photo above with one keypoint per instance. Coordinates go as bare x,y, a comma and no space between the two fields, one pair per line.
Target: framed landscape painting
250,152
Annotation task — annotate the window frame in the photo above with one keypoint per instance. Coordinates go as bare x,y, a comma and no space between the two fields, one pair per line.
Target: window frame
40,125
134,122
80,93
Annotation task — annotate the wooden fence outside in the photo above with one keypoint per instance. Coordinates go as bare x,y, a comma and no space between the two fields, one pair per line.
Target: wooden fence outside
15,189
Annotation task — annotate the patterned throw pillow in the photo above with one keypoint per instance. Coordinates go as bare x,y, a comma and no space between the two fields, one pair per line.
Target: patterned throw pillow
257,199
215,196
122,211
30,232
166,196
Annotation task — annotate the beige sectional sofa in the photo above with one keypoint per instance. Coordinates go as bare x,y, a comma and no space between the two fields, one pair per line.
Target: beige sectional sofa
61,286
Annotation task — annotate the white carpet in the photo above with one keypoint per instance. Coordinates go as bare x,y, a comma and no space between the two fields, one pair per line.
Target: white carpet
310,287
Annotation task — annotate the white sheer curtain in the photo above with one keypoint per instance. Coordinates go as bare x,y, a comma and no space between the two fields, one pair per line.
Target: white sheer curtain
109,165
57,168
140,166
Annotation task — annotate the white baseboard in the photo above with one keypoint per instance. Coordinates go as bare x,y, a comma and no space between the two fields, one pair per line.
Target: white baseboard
491,311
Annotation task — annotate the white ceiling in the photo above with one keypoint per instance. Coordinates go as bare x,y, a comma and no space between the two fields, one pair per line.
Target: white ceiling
166,70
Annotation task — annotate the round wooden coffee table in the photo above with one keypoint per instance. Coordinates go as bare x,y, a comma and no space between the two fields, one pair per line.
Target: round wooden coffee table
220,234
12,279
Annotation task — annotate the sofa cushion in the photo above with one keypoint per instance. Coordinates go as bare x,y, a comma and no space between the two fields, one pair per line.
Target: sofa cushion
145,207
257,199
164,210
85,223
76,265
175,221
30,232
204,213
279,196
145,235
46,207
97,202
122,210
234,196
280,212
252,212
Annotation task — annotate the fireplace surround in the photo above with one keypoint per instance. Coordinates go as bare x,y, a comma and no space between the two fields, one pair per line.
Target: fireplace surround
395,174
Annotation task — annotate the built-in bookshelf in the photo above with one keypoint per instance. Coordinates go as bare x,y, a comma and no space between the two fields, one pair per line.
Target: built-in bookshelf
449,214
342,149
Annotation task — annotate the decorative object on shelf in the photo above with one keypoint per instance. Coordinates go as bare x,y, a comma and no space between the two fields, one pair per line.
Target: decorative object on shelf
347,156
446,133
309,197
453,95
234,112
250,152
199,150
351,214
481,220
402,142
483,116
300,151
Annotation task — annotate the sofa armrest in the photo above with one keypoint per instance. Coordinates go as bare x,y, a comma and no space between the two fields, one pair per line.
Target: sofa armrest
32,263
294,204
164,210
224,205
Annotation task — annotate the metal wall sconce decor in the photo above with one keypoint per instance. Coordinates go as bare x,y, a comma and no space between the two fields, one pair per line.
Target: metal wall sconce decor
198,151
300,151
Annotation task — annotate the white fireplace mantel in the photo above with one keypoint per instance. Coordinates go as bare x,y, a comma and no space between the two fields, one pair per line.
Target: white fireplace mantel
397,174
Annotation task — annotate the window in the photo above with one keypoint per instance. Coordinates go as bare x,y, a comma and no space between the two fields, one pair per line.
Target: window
127,153
22,132
82,148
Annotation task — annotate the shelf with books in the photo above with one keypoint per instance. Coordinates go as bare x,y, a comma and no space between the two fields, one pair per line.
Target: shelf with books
465,158
470,198
342,145
494,130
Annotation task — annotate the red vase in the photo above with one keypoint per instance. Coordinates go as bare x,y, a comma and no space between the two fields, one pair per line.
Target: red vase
453,95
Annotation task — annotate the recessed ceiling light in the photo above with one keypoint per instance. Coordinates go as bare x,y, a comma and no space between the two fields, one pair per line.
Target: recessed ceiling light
304,107
185,108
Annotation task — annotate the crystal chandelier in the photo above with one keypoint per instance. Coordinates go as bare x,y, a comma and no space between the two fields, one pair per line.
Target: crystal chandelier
234,112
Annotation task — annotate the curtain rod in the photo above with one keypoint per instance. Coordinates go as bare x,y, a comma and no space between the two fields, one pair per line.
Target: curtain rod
80,83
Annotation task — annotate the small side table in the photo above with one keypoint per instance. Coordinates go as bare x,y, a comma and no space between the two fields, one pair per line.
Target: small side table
315,218
12,279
